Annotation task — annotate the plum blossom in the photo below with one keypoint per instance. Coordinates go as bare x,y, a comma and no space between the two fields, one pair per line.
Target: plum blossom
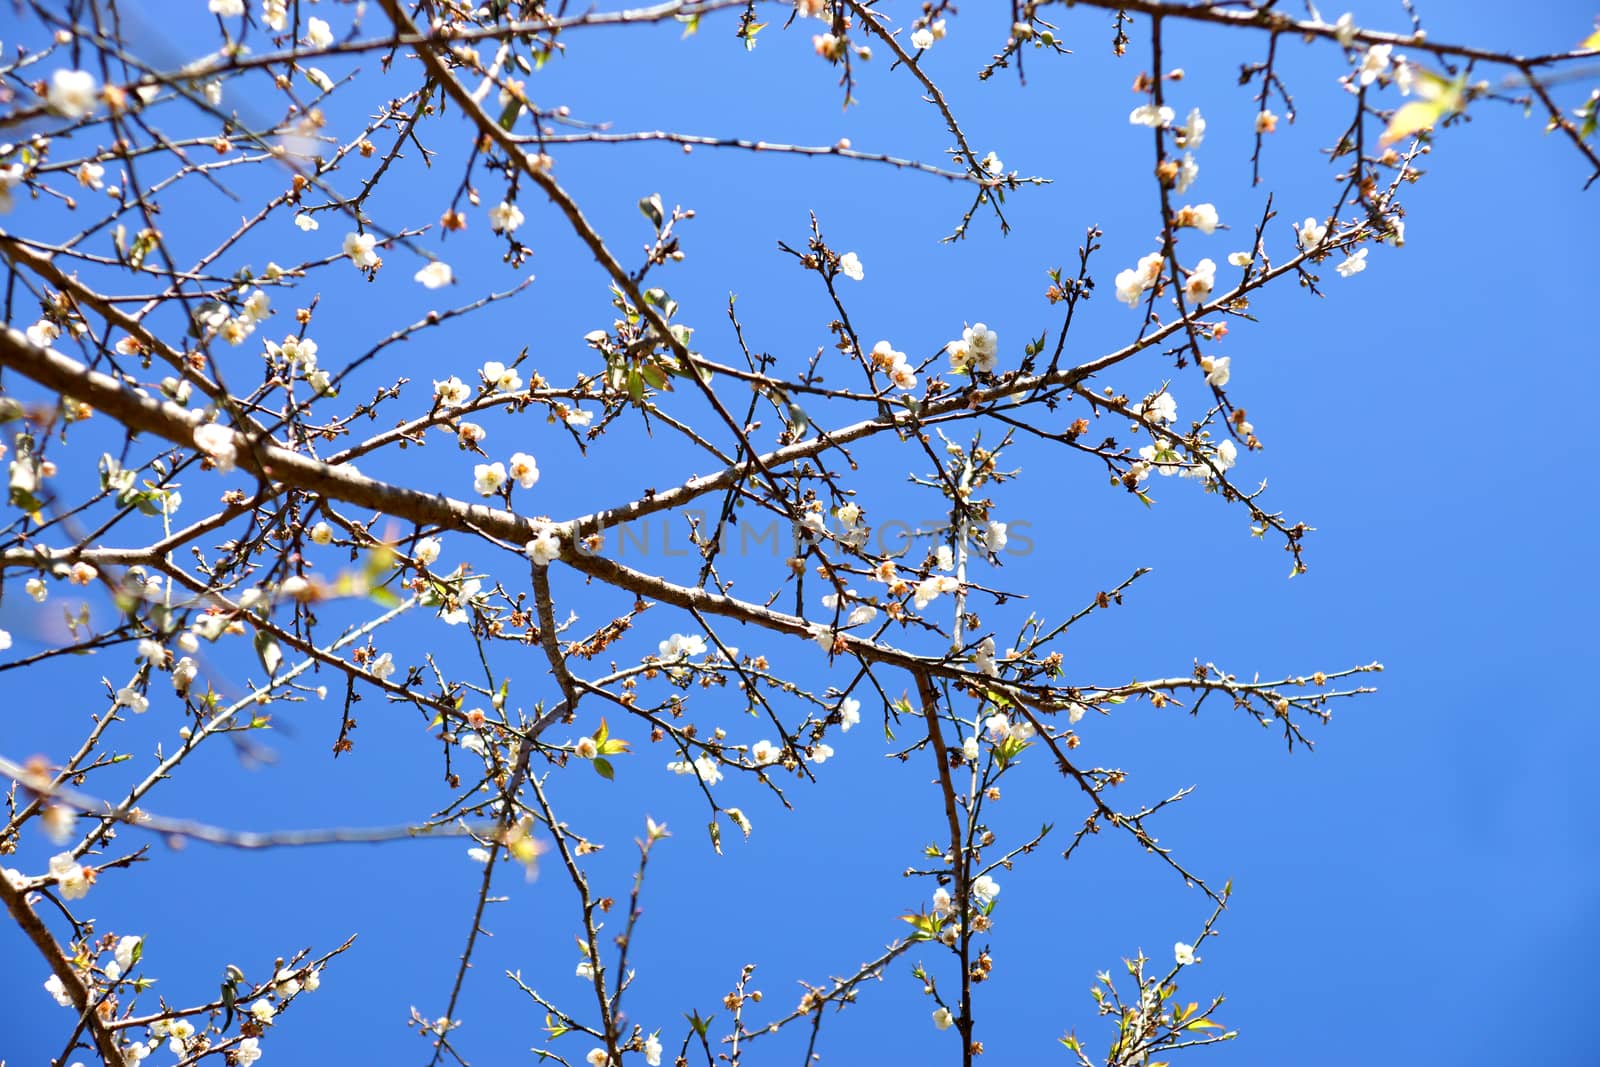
681,646
1194,131
850,266
72,93
942,1019
1202,217
929,589
1202,279
135,701
54,986
849,713
1159,408
1188,171
983,346
524,469
1311,233
765,752
217,442
995,536
426,551
505,217
318,35
984,889
1355,264
1183,954
901,373
1217,369
358,246
1345,30
435,275
921,39
499,376
452,392
1151,115
73,877
1132,284
1375,63
544,548
487,478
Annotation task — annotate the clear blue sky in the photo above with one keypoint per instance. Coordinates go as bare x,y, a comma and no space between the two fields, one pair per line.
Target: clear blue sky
1419,889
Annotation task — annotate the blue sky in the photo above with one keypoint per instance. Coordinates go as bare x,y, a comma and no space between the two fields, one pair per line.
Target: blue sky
1419,888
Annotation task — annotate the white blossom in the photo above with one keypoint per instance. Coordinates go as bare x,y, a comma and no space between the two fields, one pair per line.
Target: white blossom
226,8
435,275
72,93
54,986
850,266
942,1019
1202,217
1188,171
452,392
545,547
1183,954
1311,233
358,246
524,470
487,478
505,217
318,35
1132,284
1375,63
1151,115
1160,408
72,877
1355,264
984,889
681,646
1202,279
1345,30
501,377
995,536
1217,370
983,344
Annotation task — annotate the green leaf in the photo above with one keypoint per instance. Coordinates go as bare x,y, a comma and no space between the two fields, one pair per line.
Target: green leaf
650,207
602,767
271,655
